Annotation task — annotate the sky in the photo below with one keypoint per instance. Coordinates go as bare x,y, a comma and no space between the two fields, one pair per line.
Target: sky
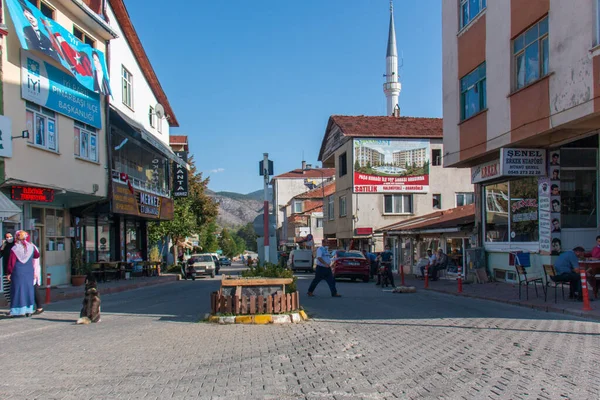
251,77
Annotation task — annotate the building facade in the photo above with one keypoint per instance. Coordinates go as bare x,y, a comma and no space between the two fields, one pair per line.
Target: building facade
373,196
529,133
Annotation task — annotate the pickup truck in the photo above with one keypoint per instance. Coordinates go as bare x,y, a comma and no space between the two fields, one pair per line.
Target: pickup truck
301,260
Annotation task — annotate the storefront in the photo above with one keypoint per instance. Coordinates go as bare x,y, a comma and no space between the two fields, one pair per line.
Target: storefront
549,206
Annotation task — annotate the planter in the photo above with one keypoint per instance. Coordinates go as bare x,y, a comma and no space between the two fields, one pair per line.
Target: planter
77,280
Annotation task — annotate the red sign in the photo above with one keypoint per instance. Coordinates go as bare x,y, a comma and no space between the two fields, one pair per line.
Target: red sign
23,193
363,231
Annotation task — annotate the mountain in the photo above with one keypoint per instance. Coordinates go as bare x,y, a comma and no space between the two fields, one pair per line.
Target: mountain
237,209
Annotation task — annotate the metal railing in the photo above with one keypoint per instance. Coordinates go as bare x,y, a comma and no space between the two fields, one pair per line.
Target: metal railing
141,184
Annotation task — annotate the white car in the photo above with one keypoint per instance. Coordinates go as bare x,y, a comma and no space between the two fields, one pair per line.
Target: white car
301,260
203,264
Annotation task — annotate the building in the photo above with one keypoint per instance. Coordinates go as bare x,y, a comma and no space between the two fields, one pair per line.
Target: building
366,199
530,137
410,158
366,156
292,183
55,168
304,214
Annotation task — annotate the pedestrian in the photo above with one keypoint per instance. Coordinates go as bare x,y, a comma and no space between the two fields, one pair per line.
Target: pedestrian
37,281
372,259
5,251
323,271
21,273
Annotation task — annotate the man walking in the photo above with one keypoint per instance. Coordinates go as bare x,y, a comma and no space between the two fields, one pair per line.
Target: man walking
323,271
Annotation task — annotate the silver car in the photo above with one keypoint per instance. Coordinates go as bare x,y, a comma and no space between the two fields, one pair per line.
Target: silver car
203,264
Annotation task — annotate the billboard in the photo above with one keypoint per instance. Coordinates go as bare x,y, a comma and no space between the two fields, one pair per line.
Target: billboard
391,165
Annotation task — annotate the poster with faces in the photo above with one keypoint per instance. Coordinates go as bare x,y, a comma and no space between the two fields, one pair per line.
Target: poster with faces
555,200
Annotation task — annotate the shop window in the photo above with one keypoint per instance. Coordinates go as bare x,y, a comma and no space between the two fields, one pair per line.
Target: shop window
133,241
398,204
531,55
86,142
41,124
90,243
343,206
511,211
84,37
463,199
54,225
437,202
578,188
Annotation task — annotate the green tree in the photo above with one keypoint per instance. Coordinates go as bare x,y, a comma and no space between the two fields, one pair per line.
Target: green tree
356,165
208,238
247,234
227,243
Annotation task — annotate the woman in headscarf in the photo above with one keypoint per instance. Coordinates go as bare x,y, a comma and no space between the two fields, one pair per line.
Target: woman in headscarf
21,273
5,251
37,280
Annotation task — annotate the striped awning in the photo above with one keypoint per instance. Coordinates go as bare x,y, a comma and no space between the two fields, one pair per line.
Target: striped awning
8,209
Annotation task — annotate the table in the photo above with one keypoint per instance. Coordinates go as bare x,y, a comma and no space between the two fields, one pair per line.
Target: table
592,268
150,268
116,267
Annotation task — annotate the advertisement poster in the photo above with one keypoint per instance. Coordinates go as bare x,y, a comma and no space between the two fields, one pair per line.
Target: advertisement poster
544,211
86,64
180,177
555,201
52,88
391,165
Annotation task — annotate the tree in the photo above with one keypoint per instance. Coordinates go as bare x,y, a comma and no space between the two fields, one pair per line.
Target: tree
208,238
247,234
227,244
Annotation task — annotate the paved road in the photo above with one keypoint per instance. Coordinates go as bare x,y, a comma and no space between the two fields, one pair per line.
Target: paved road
369,344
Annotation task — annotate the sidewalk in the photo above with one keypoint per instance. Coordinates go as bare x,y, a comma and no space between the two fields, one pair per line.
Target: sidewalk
71,292
509,293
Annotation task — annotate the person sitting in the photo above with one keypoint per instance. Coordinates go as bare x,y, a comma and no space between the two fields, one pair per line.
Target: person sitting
567,270
441,263
432,262
596,250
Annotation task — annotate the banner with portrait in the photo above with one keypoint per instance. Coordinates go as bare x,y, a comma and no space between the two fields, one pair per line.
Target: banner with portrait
38,33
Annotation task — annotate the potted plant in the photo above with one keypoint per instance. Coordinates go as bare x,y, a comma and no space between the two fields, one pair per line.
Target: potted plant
79,267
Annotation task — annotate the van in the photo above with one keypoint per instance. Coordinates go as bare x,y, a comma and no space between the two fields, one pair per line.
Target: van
301,260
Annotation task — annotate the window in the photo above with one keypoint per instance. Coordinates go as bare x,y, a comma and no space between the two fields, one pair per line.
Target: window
331,208
463,199
84,37
41,124
86,142
46,10
342,206
159,125
578,188
297,206
151,116
54,225
436,157
343,164
127,81
473,93
398,204
437,201
319,222
469,9
511,211
530,52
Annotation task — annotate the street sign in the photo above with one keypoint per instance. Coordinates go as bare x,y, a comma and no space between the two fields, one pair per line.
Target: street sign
262,169
259,225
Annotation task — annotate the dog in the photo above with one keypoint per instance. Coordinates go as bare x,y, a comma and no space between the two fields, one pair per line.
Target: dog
90,312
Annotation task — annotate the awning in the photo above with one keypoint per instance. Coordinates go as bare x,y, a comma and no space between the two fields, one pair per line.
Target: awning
148,137
8,209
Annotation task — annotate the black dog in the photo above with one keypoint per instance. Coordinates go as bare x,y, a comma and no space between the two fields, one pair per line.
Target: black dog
90,312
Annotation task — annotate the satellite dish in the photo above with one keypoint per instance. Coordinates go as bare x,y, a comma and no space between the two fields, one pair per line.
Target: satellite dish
159,110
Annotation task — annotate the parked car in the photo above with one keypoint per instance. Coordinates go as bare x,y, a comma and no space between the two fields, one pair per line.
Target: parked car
350,264
225,261
202,264
301,260
217,263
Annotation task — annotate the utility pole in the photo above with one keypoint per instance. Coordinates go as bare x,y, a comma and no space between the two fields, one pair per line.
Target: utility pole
266,170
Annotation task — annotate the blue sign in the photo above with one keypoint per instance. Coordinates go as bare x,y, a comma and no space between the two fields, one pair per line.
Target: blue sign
36,32
48,86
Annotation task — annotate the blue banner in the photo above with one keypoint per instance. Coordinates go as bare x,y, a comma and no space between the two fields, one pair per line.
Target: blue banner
36,32
49,86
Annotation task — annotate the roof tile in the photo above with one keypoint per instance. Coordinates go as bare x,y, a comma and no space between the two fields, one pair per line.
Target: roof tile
375,126
309,173
440,219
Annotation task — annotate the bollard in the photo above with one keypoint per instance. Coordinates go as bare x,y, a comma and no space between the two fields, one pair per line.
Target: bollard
427,276
584,289
48,279
402,273
460,279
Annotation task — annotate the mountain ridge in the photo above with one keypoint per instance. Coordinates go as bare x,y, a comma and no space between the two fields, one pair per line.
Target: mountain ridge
238,209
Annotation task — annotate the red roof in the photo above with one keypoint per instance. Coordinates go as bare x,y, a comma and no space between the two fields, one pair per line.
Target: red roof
178,139
451,218
383,127
309,173
317,193
118,7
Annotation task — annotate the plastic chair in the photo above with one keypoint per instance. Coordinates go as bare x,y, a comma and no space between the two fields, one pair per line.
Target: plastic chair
549,273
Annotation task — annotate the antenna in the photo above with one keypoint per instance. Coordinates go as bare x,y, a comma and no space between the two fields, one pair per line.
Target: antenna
391,6
159,110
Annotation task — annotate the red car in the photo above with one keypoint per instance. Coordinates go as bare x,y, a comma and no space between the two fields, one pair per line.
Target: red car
350,264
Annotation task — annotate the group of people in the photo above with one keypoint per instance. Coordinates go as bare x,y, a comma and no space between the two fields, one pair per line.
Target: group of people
435,263
21,274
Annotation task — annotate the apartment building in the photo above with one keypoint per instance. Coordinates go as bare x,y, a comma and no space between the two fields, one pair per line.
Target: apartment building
522,112
369,197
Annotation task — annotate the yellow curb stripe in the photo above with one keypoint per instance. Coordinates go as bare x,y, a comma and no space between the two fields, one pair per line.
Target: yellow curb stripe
243,319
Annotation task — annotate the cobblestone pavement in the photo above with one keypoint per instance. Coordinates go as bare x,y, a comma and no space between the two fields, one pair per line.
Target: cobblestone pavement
368,344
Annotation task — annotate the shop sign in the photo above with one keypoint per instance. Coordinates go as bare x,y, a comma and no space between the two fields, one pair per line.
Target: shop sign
5,136
48,86
180,177
523,162
391,165
23,193
140,203
363,231
485,172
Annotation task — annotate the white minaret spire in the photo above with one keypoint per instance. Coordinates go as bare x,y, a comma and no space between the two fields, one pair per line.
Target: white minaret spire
391,87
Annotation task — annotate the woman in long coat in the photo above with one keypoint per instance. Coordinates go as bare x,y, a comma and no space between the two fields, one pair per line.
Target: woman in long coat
5,252
21,273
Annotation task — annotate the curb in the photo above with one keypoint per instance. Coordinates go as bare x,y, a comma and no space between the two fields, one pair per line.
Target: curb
263,319
512,302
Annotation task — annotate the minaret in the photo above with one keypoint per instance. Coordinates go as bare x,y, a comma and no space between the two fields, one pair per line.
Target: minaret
391,87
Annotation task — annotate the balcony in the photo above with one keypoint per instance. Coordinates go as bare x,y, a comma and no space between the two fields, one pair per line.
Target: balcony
140,183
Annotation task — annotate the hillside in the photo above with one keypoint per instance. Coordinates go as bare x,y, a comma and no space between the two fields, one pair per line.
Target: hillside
237,209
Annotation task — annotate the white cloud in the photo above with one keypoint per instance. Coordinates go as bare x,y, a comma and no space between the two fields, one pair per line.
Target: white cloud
217,170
